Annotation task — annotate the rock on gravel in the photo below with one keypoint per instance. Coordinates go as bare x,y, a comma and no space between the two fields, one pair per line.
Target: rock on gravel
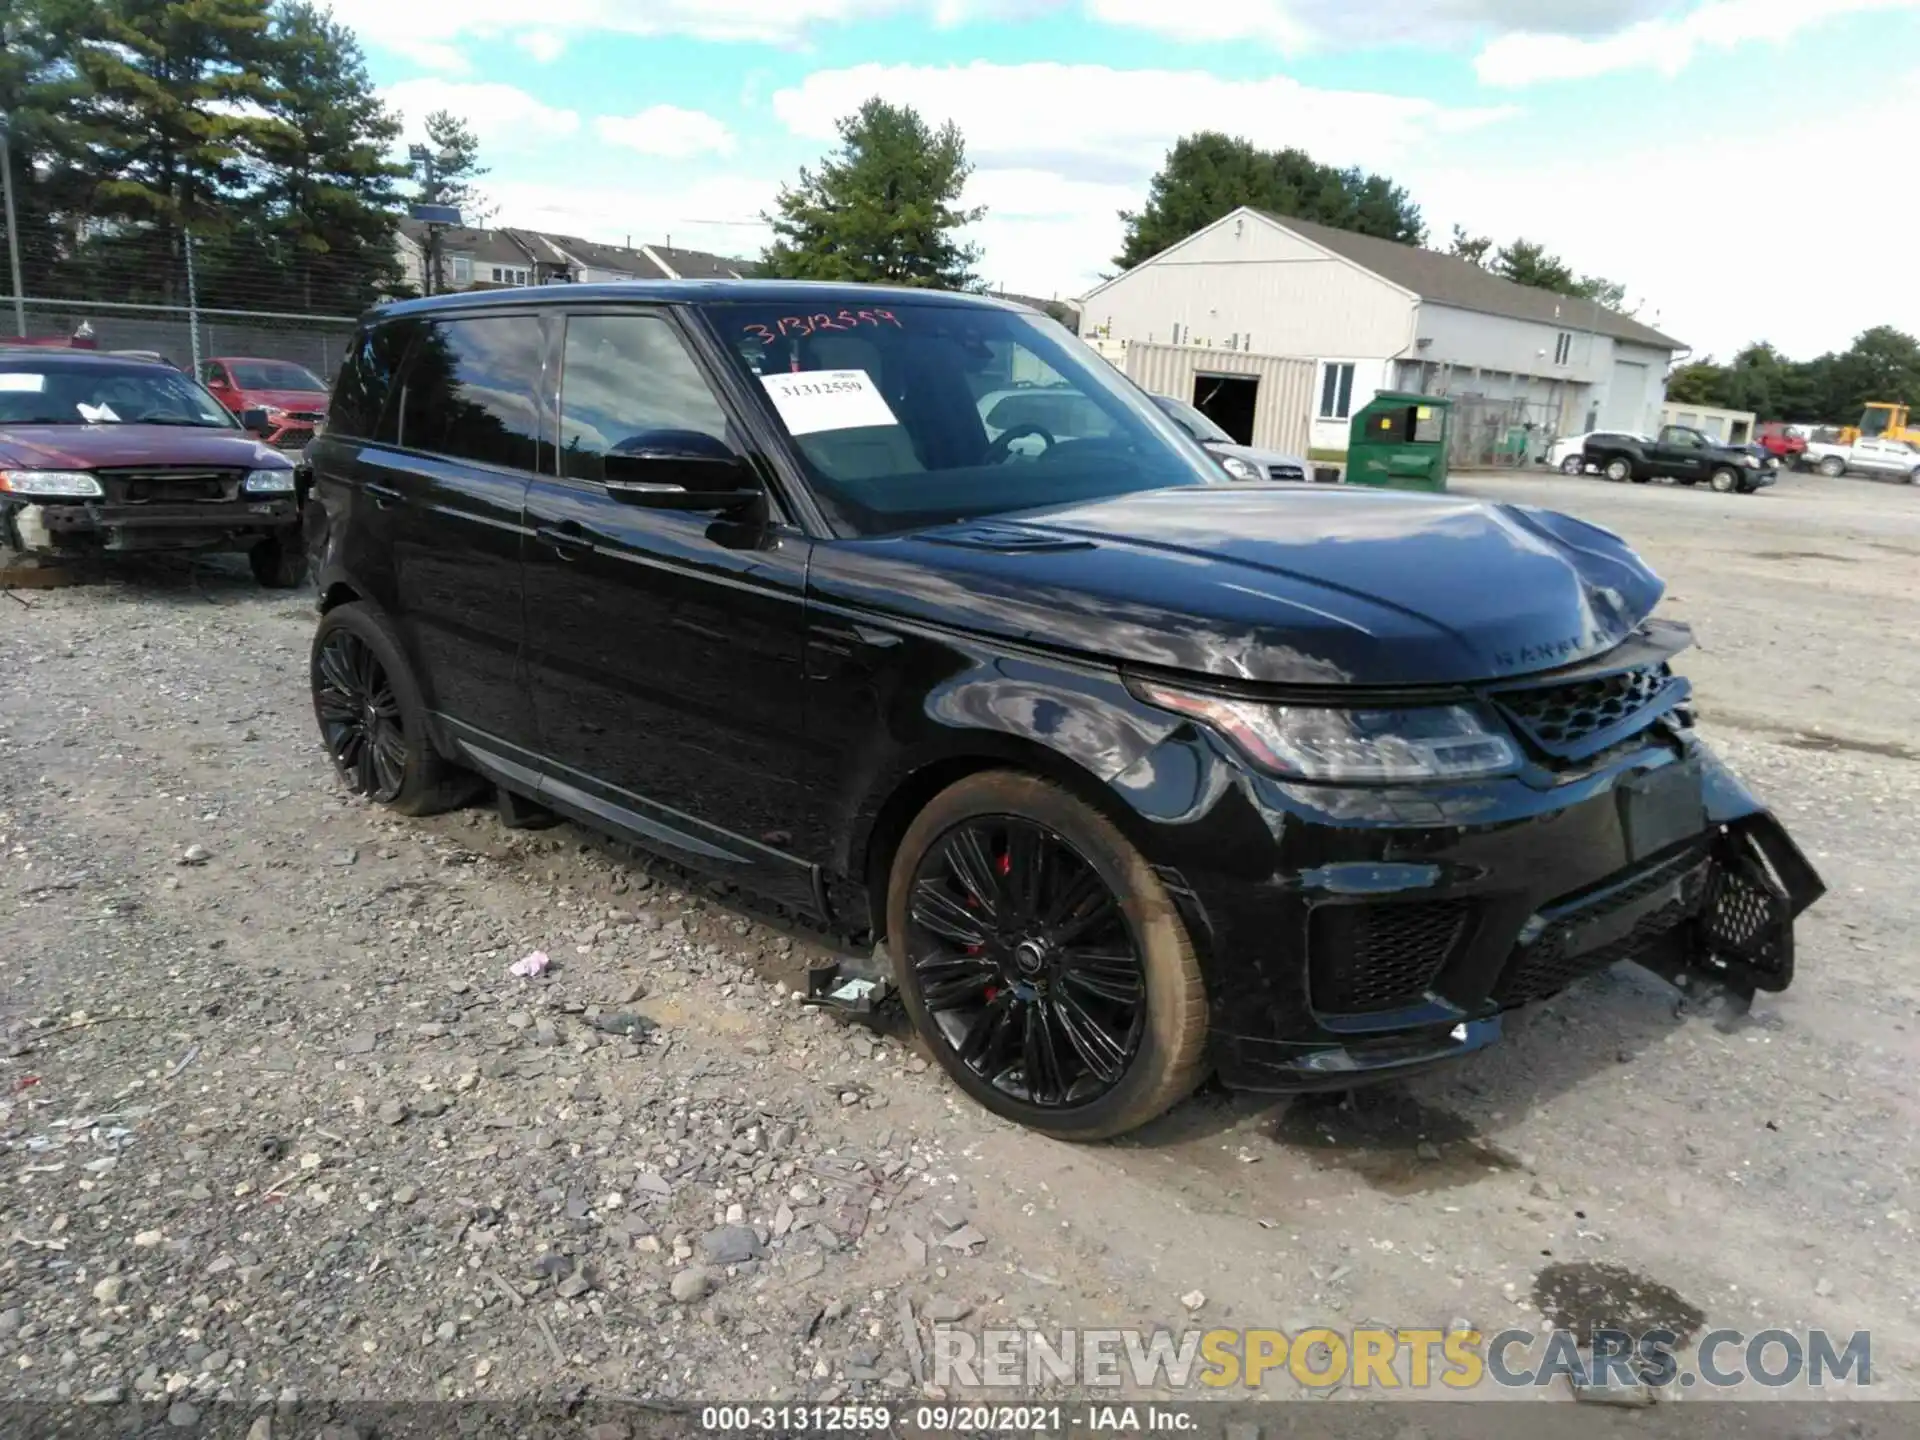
691,1284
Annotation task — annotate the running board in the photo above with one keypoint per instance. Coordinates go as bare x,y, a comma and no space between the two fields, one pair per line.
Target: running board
852,984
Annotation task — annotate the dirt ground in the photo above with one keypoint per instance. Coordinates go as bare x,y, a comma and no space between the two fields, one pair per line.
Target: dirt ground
277,1124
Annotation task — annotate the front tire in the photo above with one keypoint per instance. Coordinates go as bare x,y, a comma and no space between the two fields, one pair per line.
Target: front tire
1833,467
373,720
1724,481
1573,465
1618,470
1043,961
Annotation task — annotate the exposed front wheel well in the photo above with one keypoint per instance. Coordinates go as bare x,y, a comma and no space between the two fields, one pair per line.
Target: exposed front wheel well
337,594
917,790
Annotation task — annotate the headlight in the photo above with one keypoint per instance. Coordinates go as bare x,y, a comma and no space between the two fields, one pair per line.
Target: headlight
1752,461
63,484
1239,469
269,482
1307,742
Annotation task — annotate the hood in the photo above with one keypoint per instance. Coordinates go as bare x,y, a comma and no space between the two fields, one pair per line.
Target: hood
1262,458
1316,585
89,447
309,402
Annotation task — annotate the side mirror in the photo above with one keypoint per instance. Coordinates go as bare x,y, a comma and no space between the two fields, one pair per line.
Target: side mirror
679,470
254,420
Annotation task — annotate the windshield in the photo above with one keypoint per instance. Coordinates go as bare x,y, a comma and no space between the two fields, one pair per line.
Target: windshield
273,375
94,394
921,413
1192,420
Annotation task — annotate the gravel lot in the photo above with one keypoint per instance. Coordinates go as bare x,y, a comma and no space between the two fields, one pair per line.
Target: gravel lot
277,1124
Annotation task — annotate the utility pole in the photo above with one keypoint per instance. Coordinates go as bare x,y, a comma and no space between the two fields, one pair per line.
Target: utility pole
193,311
13,226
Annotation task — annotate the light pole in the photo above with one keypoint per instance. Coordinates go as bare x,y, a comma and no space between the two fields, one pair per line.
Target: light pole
13,226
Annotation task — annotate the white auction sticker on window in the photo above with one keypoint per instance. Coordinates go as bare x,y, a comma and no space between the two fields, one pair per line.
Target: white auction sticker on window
16,382
814,400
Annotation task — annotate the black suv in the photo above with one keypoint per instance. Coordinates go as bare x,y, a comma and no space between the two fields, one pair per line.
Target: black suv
1682,454
1125,772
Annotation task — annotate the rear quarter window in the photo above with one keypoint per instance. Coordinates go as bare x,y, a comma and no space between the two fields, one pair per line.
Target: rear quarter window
469,390
364,389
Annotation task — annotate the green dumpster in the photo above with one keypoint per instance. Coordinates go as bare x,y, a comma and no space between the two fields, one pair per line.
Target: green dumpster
1400,441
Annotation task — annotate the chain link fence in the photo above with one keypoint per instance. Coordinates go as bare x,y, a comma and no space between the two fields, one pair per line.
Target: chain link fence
1490,433
189,299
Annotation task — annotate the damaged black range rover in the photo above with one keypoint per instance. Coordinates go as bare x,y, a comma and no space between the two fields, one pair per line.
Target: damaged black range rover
1128,773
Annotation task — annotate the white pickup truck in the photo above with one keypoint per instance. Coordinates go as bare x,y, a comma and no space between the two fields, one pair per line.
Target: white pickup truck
1889,458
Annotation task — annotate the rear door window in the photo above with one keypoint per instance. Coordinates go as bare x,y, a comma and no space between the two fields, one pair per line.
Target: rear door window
470,390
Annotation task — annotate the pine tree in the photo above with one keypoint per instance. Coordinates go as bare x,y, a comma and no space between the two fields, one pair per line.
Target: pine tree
883,209
173,114
456,166
328,198
46,144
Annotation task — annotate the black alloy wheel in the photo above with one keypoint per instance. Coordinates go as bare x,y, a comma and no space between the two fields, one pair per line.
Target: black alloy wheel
1025,961
1043,960
360,716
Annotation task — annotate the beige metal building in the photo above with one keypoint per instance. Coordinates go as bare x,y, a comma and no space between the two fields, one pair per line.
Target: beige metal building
1369,315
1273,393
1733,426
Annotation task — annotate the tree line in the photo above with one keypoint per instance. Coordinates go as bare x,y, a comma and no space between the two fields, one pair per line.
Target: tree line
1882,364
250,126
886,207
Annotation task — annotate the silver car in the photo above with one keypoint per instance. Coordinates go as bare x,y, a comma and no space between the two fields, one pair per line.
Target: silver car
1242,462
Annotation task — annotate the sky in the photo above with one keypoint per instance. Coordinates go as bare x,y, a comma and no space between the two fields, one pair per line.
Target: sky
1739,164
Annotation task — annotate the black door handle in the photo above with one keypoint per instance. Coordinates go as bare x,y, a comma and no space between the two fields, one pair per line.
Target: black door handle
569,543
384,496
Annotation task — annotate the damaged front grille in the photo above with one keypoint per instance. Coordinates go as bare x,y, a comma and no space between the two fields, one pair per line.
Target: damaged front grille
1747,921
1363,959
1573,719
1560,954
169,484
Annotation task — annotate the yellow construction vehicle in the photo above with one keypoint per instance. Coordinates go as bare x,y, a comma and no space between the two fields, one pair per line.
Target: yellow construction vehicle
1881,420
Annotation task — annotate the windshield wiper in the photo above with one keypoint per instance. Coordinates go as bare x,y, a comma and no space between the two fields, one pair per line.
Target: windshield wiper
174,420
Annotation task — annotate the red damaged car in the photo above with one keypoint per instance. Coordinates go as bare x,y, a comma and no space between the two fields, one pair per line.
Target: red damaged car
292,397
101,454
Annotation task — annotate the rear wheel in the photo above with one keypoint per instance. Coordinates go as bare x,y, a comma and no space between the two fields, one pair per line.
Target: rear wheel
1833,467
1724,480
373,720
280,562
1618,470
1043,960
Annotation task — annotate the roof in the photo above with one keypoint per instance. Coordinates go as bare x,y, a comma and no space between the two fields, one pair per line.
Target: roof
1449,280
797,293
489,246
699,265
41,356
571,250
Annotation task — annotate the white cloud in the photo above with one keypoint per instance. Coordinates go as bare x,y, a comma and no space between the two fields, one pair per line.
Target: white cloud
719,214
668,131
1056,168
1666,45
502,117
426,29
1798,281
546,46
1116,125
1297,25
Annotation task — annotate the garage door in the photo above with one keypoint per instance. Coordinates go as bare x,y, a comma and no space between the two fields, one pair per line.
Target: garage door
1626,397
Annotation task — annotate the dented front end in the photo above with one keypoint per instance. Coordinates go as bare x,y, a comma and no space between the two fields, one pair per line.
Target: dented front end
1356,932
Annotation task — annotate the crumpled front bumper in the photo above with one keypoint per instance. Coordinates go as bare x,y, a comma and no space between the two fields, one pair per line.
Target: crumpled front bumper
1720,913
82,527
